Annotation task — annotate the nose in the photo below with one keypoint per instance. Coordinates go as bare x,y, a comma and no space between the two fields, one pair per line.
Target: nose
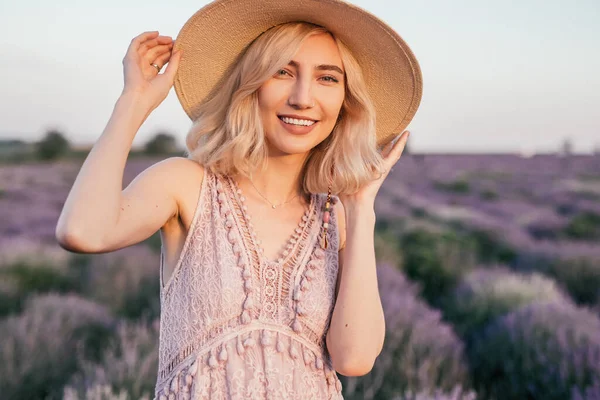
301,96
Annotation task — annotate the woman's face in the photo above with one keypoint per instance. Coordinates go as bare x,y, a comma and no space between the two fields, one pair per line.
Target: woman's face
300,104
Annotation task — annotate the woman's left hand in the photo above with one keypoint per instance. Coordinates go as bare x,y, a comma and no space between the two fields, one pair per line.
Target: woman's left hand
391,154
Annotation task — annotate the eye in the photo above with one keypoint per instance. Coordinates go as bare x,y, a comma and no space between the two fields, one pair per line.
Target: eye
282,72
329,78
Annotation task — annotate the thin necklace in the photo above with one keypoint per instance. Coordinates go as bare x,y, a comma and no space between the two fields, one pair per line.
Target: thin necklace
261,195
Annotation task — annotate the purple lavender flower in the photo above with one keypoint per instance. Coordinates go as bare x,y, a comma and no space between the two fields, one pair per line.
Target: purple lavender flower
420,351
129,365
543,350
38,348
457,393
591,392
487,293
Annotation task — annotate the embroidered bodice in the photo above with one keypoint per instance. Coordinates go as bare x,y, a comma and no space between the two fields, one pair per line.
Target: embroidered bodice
235,325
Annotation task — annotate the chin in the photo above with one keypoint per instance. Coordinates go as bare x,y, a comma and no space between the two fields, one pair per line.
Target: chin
288,149
291,144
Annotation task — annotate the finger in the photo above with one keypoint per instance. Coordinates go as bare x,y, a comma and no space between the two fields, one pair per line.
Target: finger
151,43
156,52
162,59
386,150
173,65
390,146
399,146
394,151
138,40
132,55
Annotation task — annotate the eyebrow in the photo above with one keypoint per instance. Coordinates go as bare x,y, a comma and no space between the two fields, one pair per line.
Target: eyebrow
321,67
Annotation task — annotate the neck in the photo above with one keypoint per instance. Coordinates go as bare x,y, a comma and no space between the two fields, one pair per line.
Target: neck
279,181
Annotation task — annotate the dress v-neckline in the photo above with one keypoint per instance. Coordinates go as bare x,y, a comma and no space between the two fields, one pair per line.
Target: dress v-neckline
291,245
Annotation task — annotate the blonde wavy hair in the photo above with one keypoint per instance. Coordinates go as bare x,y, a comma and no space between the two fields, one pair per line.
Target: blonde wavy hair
228,136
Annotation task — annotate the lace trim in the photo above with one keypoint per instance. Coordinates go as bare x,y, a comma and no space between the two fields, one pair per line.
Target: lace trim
233,235
181,381
317,260
277,277
206,339
207,345
285,255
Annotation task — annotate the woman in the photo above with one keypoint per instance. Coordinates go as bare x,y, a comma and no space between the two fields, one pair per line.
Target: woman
267,280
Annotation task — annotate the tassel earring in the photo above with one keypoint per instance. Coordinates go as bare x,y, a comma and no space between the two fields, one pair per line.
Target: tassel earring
326,218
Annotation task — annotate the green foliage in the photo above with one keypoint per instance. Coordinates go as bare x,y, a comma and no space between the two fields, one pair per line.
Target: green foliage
39,278
126,281
492,250
418,212
584,226
94,338
436,260
486,294
143,303
128,364
488,194
100,392
565,209
579,275
53,146
9,303
540,351
387,250
459,186
24,278
382,225
39,347
154,242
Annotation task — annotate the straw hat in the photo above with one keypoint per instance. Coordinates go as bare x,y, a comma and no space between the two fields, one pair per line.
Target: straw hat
214,37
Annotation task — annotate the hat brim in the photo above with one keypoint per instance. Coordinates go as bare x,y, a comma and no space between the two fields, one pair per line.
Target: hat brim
214,37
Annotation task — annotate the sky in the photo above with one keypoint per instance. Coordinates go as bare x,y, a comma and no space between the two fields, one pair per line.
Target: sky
498,76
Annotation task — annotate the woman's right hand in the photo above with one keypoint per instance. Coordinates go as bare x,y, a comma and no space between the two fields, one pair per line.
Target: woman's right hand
143,79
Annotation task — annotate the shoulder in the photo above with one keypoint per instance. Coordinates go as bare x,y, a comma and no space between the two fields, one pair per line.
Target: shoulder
181,168
183,176
178,172
340,213
181,164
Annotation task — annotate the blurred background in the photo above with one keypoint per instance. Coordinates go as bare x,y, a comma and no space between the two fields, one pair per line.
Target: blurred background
487,231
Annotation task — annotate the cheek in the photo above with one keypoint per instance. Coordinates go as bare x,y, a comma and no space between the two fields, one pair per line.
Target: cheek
270,95
263,100
334,105
335,100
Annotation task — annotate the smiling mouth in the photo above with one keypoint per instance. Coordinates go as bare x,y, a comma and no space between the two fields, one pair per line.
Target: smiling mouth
297,122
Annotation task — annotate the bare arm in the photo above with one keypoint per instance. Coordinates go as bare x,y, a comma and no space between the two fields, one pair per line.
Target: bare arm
96,208
357,330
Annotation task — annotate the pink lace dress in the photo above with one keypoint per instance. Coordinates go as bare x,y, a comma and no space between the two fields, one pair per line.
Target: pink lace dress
235,325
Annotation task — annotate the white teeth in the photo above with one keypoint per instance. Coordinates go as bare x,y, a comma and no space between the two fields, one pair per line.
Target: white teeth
294,121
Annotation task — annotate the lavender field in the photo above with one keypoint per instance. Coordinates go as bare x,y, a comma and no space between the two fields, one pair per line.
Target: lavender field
489,272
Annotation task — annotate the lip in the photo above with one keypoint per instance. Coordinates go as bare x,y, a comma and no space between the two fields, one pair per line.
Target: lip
297,129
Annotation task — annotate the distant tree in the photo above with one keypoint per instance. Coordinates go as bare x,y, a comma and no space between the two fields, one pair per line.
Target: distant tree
567,147
566,155
52,146
161,143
